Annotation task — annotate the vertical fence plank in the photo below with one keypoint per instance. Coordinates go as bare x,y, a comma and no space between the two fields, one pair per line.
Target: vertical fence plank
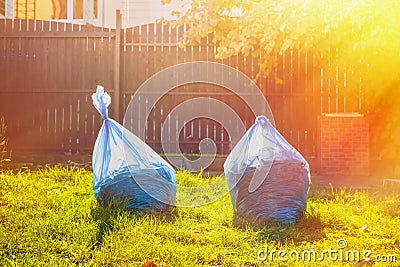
63,52
126,65
37,57
134,64
158,65
69,59
308,98
136,59
323,86
117,66
3,63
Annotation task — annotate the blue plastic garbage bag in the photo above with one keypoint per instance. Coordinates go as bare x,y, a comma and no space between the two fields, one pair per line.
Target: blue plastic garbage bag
125,169
268,179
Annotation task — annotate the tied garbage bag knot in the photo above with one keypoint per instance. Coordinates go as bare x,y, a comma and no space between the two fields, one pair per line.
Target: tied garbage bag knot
101,101
126,171
262,120
267,177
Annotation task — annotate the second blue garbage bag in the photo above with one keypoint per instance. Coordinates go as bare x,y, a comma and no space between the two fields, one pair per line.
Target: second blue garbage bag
268,178
125,169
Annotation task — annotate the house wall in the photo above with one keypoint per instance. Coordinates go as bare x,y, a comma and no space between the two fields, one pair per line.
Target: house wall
134,12
44,9
2,8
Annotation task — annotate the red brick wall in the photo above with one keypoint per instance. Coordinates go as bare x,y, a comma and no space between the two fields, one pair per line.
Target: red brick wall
343,144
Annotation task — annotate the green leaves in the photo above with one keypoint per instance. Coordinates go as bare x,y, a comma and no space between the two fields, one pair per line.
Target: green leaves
275,25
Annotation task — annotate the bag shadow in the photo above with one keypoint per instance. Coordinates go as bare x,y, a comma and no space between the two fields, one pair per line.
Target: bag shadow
107,218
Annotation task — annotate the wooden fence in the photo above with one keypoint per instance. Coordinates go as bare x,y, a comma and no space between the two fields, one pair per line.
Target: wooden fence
48,71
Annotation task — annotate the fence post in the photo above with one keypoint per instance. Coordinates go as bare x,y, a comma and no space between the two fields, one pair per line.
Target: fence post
117,54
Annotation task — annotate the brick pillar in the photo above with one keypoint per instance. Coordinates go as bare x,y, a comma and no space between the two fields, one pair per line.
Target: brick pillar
343,144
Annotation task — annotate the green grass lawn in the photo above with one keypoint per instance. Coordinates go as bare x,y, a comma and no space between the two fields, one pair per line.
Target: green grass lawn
49,217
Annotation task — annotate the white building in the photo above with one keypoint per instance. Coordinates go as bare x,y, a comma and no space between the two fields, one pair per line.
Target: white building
98,12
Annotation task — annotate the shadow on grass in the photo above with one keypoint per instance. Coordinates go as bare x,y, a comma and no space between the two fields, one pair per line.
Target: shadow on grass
111,218
308,228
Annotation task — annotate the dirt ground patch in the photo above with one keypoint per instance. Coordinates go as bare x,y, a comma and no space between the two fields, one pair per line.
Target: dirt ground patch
34,160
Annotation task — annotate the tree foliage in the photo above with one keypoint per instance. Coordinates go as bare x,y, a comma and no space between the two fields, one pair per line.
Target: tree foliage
359,30
361,35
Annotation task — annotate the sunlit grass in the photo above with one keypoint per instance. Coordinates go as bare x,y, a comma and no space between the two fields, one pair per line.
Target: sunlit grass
49,217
